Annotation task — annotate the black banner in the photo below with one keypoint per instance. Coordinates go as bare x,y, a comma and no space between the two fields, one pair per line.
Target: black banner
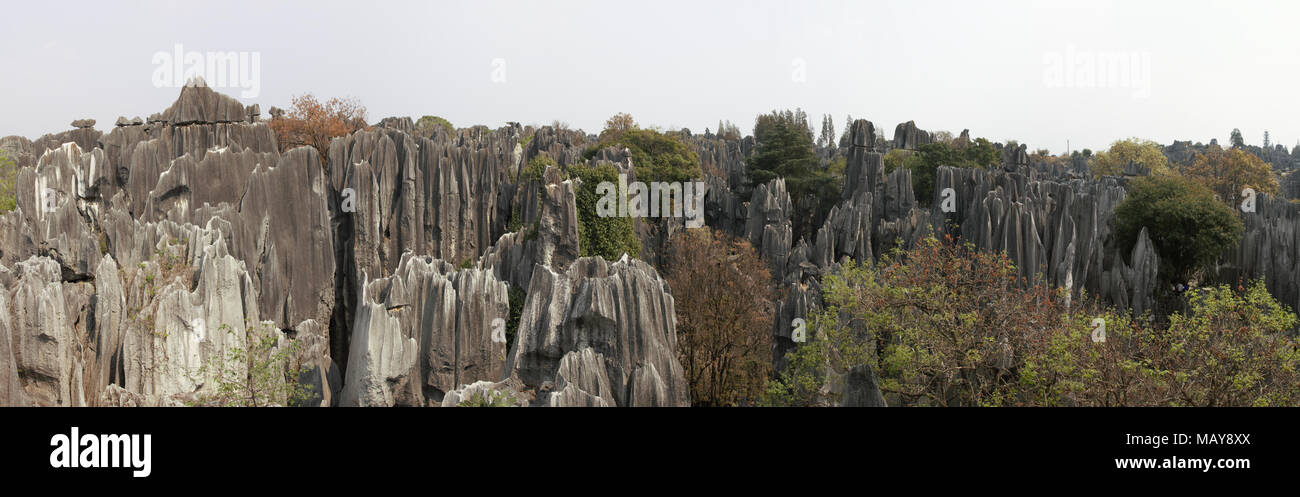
296,447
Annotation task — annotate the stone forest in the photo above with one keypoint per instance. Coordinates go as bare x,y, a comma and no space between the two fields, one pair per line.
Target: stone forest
213,255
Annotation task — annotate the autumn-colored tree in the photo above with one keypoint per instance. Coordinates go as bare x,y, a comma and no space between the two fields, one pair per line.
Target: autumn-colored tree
312,123
1144,152
724,297
1228,172
617,124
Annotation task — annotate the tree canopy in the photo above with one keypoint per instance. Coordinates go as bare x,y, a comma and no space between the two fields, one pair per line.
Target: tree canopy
1187,225
724,316
1145,153
656,156
1228,172
8,176
312,123
427,124
925,161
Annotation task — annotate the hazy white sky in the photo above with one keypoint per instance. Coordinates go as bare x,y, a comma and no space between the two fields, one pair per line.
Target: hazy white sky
1003,69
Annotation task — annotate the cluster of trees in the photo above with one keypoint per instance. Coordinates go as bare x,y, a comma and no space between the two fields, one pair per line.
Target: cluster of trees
783,148
1228,172
655,155
924,162
1145,153
946,325
312,123
1225,172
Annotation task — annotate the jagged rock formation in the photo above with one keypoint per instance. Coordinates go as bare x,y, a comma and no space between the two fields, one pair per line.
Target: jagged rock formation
423,332
548,232
908,136
600,334
136,257
1269,249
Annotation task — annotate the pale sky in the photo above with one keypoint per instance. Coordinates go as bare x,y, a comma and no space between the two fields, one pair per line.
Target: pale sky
948,65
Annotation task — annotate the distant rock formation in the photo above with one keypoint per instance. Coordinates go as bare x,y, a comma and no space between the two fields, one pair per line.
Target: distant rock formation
908,136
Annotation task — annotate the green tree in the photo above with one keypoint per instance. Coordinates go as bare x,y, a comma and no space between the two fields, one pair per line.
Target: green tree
1144,152
8,177
925,161
1230,349
656,156
427,124
939,324
495,398
608,237
260,375
783,149
1236,139
618,124
1187,226
1228,172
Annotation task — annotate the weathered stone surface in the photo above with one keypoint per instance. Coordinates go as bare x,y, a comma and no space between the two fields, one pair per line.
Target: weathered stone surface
623,313
200,104
501,392
44,343
856,388
908,136
424,331
768,226
1269,249
548,233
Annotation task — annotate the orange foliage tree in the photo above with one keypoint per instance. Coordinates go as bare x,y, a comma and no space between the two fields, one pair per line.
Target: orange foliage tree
724,297
1228,172
312,123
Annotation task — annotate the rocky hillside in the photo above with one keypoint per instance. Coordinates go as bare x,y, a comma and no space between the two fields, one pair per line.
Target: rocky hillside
137,257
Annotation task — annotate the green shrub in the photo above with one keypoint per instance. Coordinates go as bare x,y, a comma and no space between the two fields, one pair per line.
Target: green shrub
517,297
8,175
1187,226
1230,349
925,162
427,124
608,237
257,376
656,156
493,399
535,168
943,325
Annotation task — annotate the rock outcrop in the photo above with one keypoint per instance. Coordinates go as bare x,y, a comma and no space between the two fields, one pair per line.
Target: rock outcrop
600,334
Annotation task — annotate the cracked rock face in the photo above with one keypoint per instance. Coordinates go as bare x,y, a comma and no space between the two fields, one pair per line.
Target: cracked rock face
601,334
425,331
